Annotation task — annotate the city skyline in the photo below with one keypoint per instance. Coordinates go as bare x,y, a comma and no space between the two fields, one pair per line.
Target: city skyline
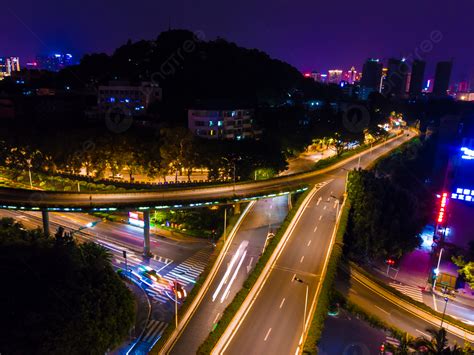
295,35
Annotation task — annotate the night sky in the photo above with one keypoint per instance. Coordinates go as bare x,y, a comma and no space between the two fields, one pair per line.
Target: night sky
318,35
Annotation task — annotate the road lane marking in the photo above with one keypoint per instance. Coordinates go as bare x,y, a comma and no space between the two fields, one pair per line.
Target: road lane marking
315,229
230,266
335,204
319,200
282,302
434,302
227,291
293,277
426,335
383,310
324,207
321,217
217,316
302,258
268,333
309,243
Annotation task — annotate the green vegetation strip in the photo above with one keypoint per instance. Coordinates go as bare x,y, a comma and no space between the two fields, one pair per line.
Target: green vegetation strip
422,306
207,346
323,302
199,282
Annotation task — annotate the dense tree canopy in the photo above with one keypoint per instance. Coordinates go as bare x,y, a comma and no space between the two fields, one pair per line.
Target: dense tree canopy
389,204
59,297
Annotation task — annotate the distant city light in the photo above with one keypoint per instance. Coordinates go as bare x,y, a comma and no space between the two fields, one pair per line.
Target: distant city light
468,153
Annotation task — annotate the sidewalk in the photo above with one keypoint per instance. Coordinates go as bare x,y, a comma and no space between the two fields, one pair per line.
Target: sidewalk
142,308
413,271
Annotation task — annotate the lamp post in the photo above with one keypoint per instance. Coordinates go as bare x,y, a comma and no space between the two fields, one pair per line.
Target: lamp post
437,268
88,225
305,300
29,172
444,311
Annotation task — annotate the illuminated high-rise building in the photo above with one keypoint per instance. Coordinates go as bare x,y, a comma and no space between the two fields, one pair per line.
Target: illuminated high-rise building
8,65
316,76
463,86
442,78
371,74
395,82
334,76
351,76
55,62
13,64
416,78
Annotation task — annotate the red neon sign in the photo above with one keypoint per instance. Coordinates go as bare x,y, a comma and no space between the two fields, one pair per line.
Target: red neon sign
442,208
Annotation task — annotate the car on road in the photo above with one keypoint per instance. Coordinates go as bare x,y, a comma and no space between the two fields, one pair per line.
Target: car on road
149,274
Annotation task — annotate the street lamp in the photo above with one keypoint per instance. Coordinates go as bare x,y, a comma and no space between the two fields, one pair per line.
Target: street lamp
436,271
305,300
445,291
29,172
88,225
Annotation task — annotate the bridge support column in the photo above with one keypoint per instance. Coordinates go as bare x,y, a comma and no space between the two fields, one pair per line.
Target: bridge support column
45,215
237,208
146,233
290,204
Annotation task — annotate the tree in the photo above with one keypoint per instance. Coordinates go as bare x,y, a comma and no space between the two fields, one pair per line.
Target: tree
403,348
62,297
466,269
438,344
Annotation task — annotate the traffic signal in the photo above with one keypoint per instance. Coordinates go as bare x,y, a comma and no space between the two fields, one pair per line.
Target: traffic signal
390,262
179,290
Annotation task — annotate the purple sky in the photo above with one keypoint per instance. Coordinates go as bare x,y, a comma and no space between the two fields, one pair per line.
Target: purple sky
308,34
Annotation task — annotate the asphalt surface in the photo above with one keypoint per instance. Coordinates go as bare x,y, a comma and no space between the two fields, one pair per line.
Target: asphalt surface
165,197
347,335
386,310
274,323
266,215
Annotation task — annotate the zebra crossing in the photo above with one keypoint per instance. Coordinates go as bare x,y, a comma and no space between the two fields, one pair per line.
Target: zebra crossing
185,273
154,330
411,291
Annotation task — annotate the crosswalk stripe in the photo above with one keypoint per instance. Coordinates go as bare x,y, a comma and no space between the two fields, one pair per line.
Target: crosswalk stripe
156,330
410,291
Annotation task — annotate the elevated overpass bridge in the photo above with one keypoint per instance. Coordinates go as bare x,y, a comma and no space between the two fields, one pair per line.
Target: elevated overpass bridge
184,197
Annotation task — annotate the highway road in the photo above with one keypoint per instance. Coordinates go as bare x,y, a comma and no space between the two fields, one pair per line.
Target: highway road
273,324
17,198
246,247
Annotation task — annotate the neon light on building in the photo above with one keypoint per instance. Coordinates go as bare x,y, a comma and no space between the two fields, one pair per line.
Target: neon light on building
442,208
463,194
468,153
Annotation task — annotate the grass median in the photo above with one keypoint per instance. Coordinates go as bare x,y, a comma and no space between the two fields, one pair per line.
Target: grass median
229,313
323,302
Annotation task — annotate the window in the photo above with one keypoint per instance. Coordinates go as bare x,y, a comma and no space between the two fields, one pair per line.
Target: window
211,123
220,123
212,132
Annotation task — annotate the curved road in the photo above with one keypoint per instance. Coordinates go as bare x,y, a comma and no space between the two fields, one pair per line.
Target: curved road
190,197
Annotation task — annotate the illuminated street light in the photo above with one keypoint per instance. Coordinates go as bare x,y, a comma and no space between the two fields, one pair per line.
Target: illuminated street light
305,301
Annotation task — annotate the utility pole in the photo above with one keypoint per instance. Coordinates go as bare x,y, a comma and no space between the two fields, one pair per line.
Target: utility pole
437,268
305,301
225,222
